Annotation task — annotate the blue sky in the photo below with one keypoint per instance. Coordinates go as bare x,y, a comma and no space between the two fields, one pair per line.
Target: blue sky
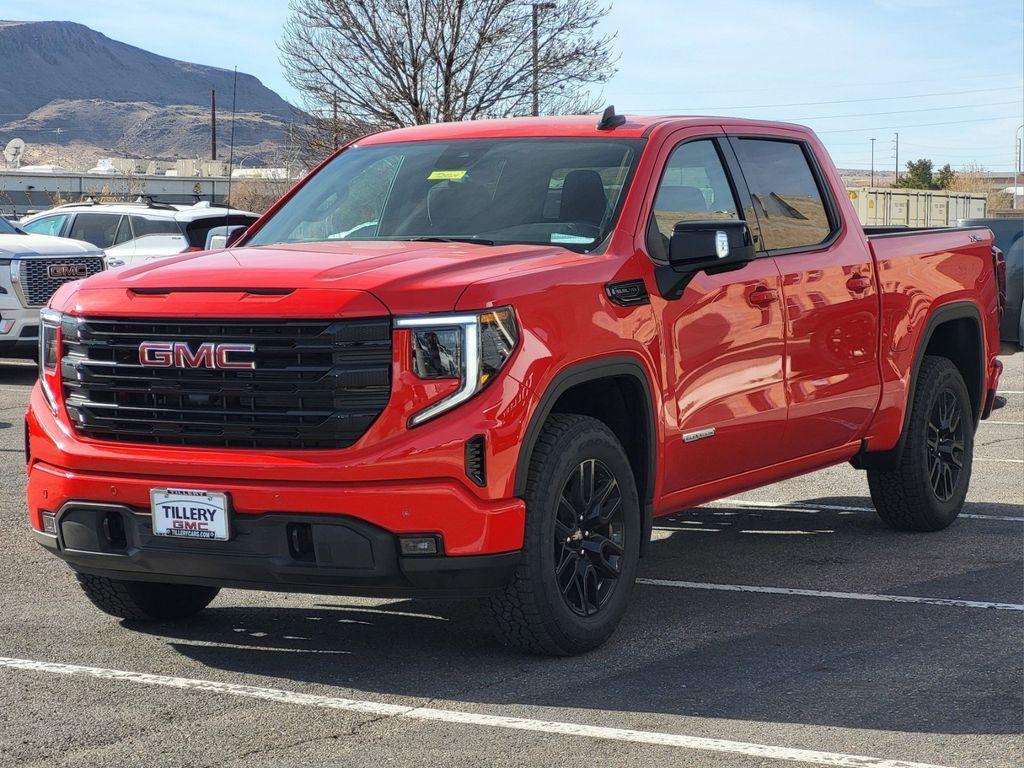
947,74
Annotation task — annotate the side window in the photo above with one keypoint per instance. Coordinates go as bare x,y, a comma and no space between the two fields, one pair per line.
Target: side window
144,225
694,186
96,228
48,225
786,197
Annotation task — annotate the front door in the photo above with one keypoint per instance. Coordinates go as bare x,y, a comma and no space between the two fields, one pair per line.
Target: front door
724,336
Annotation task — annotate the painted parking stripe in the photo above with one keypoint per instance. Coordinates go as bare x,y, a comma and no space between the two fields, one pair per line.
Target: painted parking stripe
1003,423
380,709
800,506
836,595
999,461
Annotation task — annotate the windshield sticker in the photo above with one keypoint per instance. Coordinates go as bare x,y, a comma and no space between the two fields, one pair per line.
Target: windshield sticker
559,237
438,175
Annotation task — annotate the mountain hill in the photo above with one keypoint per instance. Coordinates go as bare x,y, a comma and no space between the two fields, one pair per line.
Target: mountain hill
98,92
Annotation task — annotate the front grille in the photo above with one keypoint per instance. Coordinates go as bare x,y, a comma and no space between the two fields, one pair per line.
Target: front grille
316,384
37,286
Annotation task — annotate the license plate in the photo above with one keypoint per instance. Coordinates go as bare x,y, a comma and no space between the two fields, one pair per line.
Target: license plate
190,514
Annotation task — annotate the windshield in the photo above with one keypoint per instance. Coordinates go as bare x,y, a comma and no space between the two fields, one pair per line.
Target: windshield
6,228
565,192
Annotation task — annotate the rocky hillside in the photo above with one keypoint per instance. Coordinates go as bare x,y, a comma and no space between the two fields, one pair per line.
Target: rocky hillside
98,92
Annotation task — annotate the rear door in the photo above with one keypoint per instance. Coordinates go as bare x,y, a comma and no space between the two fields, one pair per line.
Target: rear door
831,303
724,336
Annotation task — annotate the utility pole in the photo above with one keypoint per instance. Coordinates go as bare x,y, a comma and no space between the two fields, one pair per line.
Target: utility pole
872,162
537,8
334,122
896,144
213,124
1018,153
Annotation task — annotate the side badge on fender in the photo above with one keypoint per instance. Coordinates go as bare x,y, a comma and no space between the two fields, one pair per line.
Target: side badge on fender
700,434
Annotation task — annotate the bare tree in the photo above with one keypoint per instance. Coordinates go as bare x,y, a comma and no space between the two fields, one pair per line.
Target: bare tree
391,63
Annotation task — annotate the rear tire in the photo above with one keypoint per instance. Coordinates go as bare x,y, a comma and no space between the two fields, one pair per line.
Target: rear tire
926,491
582,542
145,600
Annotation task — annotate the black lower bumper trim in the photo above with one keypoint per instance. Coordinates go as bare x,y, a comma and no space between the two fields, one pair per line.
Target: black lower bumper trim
348,556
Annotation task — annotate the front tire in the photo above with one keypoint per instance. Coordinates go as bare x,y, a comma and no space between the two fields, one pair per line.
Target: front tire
145,600
926,491
582,542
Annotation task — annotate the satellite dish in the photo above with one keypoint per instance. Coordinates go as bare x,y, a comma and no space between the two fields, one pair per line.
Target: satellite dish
14,151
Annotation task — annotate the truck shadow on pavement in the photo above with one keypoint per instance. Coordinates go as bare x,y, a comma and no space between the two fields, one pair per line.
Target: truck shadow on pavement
694,652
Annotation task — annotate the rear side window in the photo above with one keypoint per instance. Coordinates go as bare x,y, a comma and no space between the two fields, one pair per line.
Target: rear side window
145,225
48,225
693,187
787,199
96,228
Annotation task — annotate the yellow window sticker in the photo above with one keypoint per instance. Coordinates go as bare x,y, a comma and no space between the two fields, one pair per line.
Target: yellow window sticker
438,175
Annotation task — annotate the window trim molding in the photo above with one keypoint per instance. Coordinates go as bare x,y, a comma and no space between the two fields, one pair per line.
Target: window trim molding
837,226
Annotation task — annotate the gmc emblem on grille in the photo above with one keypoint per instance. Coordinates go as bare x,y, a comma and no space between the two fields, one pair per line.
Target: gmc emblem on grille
178,354
61,271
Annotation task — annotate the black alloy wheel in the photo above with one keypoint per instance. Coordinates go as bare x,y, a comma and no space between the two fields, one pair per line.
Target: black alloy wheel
589,537
945,444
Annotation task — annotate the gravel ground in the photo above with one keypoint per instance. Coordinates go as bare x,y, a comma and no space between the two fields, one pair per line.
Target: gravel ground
798,667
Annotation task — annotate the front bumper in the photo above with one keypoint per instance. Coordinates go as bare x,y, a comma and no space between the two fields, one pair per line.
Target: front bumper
333,555
19,329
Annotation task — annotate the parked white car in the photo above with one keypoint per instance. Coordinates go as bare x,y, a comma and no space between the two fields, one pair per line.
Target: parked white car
132,233
32,267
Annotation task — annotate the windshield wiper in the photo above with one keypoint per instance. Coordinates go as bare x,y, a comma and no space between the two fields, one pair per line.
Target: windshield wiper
440,239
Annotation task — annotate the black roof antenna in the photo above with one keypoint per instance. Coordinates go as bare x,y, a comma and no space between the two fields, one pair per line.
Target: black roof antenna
610,120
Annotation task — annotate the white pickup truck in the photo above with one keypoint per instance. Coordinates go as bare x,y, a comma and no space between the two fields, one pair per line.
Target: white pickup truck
32,267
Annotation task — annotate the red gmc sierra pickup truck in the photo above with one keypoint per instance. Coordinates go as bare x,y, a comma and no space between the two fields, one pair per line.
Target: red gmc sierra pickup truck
478,359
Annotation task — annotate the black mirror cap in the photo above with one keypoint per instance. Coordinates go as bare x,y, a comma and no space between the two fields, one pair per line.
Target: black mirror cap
711,246
234,236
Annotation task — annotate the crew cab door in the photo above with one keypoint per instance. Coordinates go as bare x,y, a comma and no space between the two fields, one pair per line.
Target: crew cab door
828,284
723,336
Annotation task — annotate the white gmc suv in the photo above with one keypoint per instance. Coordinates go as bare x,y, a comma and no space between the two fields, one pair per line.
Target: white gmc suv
133,233
32,267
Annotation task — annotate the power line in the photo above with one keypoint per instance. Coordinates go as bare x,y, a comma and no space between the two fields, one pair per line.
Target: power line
920,125
908,111
833,85
834,101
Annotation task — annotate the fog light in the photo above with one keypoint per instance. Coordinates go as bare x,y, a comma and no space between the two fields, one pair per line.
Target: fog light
50,522
6,325
418,545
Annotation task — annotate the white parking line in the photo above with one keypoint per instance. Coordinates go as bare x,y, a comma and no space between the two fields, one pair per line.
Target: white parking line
837,595
800,506
1003,423
762,751
999,461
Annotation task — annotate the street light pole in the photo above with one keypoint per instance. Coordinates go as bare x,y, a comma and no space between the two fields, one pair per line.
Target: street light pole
536,9
872,162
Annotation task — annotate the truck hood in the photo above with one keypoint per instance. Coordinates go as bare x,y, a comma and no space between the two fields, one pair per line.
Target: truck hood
30,246
407,277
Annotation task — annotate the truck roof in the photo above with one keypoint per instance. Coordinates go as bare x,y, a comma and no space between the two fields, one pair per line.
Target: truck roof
557,127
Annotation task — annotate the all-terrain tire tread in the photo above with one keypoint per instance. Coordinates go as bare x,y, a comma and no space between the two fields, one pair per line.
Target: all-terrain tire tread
902,496
515,613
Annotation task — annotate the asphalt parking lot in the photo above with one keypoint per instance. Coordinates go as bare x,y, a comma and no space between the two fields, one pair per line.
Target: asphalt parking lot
783,627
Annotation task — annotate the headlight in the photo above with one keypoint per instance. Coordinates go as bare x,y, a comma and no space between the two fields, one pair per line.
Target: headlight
469,347
49,354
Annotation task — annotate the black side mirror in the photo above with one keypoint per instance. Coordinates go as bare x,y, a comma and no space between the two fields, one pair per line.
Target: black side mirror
234,236
710,246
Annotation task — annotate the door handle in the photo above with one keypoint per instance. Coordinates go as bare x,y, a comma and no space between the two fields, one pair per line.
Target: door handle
762,296
858,283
